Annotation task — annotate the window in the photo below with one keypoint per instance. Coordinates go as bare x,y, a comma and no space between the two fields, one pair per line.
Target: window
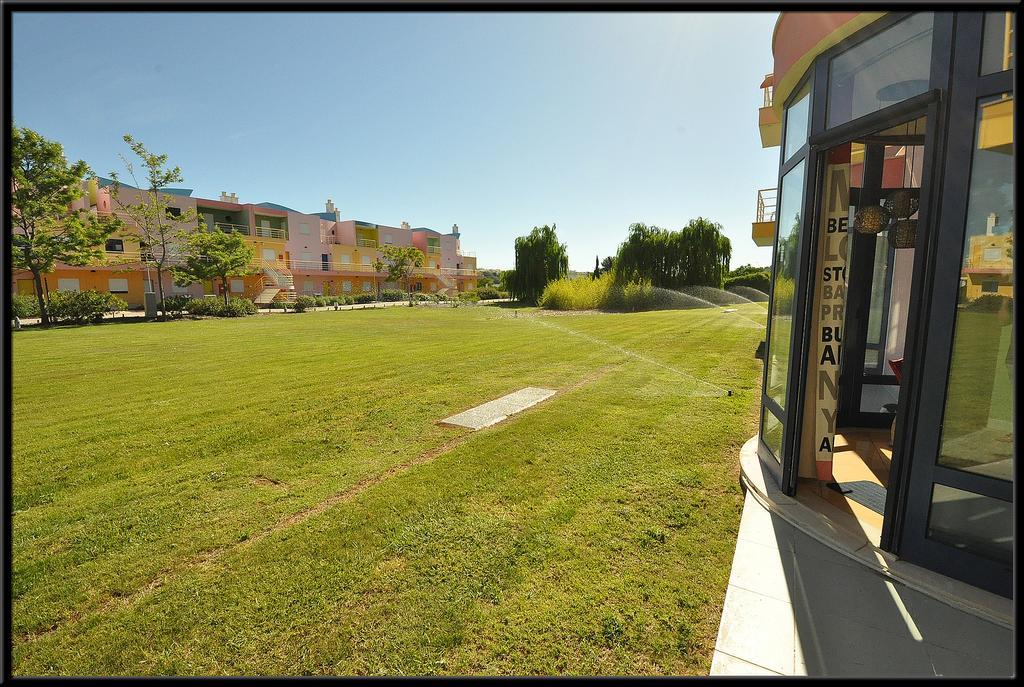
433,286
303,228
977,428
67,285
798,119
237,286
178,289
433,264
997,42
173,212
771,433
308,286
366,286
114,246
387,239
366,260
325,262
784,284
885,69
994,254
346,286
117,285
971,521
306,259
345,258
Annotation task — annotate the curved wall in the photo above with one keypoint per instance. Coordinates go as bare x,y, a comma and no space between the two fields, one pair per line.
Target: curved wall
799,37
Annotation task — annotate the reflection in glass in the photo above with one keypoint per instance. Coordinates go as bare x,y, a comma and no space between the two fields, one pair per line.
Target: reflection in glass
771,433
975,523
798,117
883,70
977,429
784,284
997,42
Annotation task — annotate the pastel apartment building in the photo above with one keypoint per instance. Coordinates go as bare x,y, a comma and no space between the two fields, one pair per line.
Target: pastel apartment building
295,253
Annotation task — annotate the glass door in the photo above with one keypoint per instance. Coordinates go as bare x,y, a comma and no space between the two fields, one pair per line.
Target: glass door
886,172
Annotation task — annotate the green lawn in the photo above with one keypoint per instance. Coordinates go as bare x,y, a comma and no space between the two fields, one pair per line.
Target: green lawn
272,495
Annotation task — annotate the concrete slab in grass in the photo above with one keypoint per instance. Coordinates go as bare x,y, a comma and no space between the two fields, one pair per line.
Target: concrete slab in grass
497,410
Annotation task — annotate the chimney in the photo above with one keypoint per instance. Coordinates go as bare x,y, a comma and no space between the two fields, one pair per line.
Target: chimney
229,197
993,220
455,230
405,225
333,210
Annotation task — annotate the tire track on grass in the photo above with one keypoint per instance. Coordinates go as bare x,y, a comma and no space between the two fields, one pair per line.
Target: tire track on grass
207,558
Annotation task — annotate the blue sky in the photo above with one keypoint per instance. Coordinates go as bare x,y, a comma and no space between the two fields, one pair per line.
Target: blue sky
497,122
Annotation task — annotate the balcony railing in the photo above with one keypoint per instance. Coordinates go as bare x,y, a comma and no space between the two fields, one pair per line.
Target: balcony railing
769,89
433,249
229,228
766,200
366,243
270,232
332,266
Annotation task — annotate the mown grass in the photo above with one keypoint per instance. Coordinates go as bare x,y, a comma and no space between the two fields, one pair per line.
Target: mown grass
154,465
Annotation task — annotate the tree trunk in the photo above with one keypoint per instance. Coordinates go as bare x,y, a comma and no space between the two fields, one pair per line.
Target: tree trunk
160,290
224,284
44,312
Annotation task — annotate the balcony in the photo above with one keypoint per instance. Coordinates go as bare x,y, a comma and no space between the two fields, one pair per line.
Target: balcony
270,232
434,249
366,243
332,266
763,226
767,116
229,228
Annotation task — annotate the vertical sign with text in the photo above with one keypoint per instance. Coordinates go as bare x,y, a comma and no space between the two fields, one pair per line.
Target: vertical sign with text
831,282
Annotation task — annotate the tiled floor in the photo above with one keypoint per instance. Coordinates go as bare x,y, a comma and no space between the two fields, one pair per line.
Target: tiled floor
861,455
797,607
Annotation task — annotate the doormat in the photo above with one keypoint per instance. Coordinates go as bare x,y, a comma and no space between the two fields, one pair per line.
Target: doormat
868,494
497,410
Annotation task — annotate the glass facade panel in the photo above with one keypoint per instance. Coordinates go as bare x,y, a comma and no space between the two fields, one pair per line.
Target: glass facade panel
771,433
977,429
880,281
883,70
997,42
798,118
784,284
975,523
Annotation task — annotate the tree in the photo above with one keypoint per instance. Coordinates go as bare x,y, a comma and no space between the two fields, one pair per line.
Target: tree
696,255
540,258
608,264
157,223
213,255
399,262
597,266
45,230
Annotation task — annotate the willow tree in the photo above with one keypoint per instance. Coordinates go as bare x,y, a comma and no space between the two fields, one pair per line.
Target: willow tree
696,255
540,258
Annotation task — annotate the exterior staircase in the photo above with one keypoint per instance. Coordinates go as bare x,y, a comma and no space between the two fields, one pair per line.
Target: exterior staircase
448,282
278,285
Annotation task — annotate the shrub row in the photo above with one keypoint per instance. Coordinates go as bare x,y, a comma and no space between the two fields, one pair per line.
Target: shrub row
24,305
759,279
605,293
80,307
215,307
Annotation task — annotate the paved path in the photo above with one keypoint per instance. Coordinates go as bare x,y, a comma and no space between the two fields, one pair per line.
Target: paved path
797,607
